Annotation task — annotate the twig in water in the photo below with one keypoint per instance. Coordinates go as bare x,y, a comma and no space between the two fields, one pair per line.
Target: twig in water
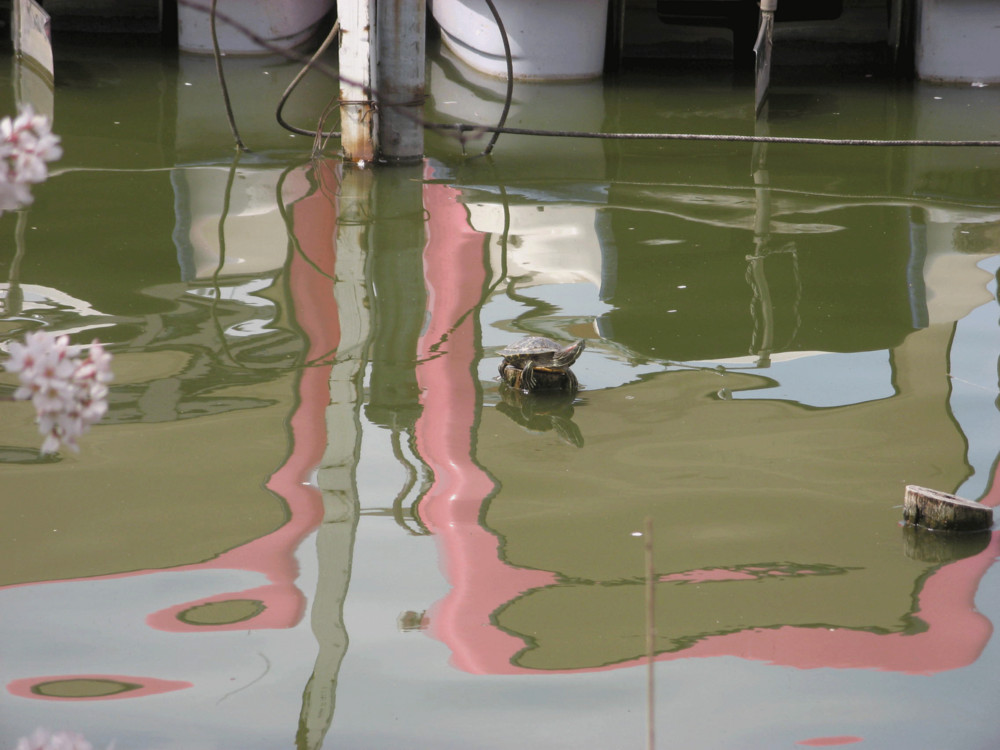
650,638
261,676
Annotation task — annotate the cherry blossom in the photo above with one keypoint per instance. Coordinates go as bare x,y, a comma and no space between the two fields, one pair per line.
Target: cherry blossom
69,393
26,145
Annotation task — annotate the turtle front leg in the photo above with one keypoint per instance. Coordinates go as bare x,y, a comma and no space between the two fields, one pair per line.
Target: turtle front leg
528,376
511,376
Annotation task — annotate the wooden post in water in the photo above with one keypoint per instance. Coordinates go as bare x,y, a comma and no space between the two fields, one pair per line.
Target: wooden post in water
382,51
933,509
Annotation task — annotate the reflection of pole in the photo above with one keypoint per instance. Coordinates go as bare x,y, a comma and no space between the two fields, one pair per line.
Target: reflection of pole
761,235
334,549
336,475
34,70
13,303
915,284
398,274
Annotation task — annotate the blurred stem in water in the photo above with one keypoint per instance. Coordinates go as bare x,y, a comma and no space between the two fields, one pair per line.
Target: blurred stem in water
650,637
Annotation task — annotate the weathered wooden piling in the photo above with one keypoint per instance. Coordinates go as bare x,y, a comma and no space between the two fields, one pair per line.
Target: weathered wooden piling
933,509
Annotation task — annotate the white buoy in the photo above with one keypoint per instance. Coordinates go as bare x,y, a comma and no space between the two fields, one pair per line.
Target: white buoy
550,40
957,41
283,23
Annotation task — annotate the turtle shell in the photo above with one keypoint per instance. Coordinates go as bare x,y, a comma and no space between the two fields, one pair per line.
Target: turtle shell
542,351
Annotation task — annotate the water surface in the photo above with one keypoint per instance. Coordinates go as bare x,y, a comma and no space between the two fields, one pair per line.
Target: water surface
313,517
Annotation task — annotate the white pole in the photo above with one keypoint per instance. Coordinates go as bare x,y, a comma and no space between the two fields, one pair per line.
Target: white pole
762,49
357,19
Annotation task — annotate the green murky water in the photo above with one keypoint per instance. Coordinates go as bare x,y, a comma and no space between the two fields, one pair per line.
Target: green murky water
313,518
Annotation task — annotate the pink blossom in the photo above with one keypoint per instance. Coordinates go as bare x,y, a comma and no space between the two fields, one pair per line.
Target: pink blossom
13,195
69,393
26,145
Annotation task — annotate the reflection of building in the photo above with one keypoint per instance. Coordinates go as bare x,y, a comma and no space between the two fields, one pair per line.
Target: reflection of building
195,549
177,535
572,202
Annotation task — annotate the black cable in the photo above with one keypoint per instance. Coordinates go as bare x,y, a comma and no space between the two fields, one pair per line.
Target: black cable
509,97
466,128
217,54
295,82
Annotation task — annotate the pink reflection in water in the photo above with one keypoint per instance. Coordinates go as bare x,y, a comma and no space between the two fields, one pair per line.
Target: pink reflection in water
831,741
280,603
707,575
449,395
955,636
482,583
310,275
124,686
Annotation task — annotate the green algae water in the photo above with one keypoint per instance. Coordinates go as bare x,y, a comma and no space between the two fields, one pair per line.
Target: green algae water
313,517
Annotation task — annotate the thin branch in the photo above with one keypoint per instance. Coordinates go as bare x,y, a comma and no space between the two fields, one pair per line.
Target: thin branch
650,638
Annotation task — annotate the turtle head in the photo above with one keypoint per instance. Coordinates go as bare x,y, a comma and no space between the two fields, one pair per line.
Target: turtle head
568,355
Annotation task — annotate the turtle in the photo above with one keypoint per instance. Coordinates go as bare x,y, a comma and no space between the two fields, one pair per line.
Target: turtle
521,358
